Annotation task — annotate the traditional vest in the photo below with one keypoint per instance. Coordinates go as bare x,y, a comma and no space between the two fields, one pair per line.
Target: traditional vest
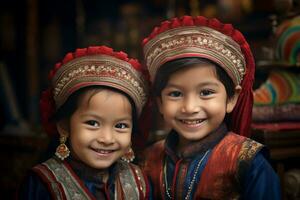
222,175
64,184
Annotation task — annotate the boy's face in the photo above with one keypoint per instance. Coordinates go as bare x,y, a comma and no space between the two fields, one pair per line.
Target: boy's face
194,102
100,129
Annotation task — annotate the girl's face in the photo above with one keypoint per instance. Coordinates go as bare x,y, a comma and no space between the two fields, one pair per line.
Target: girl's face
100,129
194,102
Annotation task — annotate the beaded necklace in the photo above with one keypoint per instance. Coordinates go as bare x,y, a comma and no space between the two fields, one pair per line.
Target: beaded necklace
191,185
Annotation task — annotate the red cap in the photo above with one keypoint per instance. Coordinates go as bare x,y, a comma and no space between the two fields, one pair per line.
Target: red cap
202,37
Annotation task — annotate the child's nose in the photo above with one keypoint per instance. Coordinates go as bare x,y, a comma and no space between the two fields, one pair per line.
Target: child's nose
106,136
190,105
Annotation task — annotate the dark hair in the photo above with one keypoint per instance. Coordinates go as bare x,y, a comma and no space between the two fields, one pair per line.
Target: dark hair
166,70
70,106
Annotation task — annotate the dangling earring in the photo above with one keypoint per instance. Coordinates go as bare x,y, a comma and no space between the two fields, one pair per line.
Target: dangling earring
128,156
62,151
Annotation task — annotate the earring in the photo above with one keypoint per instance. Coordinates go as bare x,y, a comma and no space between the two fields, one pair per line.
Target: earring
128,156
62,151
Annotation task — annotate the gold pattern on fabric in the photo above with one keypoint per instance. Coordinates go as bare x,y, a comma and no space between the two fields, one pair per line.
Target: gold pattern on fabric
131,189
99,70
196,41
126,185
249,150
54,185
73,190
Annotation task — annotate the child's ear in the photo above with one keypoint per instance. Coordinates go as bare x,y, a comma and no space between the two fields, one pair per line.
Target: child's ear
159,104
63,128
232,101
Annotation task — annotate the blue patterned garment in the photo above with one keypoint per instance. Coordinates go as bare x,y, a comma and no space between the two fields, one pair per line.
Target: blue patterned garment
258,181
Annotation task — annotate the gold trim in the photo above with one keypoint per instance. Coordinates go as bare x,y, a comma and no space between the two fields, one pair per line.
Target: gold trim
129,184
53,183
71,187
99,70
204,41
249,149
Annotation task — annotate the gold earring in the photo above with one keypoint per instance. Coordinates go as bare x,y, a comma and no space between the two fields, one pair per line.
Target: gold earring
128,156
62,151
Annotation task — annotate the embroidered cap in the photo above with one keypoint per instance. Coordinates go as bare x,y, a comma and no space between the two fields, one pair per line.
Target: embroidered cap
98,65
206,38
194,41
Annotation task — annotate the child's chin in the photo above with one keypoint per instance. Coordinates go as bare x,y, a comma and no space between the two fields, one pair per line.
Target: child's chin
102,164
192,137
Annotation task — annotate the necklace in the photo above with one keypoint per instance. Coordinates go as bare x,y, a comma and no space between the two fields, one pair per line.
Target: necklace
191,185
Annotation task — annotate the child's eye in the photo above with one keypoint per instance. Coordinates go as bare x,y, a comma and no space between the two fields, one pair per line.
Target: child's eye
92,123
175,94
122,125
206,92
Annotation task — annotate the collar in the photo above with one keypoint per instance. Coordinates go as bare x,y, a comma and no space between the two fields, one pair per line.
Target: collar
195,147
88,173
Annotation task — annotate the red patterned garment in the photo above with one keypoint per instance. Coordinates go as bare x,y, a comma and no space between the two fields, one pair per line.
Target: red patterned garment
221,175
56,179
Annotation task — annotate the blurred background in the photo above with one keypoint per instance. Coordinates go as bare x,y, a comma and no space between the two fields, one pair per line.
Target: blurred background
34,35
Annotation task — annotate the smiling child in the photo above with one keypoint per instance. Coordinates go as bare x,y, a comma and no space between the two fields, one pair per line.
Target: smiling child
202,73
93,103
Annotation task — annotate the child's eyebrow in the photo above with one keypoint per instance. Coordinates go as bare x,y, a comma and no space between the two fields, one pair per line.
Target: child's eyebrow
125,118
172,85
90,115
95,115
201,84
208,84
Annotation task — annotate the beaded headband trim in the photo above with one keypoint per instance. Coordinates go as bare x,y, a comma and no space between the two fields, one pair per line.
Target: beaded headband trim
99,70
195,41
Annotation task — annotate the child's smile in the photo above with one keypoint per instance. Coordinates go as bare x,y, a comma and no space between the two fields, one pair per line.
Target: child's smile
191,123
103,152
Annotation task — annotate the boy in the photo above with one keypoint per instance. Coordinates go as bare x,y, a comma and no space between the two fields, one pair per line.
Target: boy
202,73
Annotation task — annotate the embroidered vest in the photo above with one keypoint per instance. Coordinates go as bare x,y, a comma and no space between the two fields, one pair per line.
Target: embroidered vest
64,184
222,174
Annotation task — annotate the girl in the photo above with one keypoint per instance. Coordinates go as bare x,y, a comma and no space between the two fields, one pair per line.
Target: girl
202,73
95,98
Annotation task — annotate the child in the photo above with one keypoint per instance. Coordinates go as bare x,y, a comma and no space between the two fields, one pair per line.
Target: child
98,95
202,73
